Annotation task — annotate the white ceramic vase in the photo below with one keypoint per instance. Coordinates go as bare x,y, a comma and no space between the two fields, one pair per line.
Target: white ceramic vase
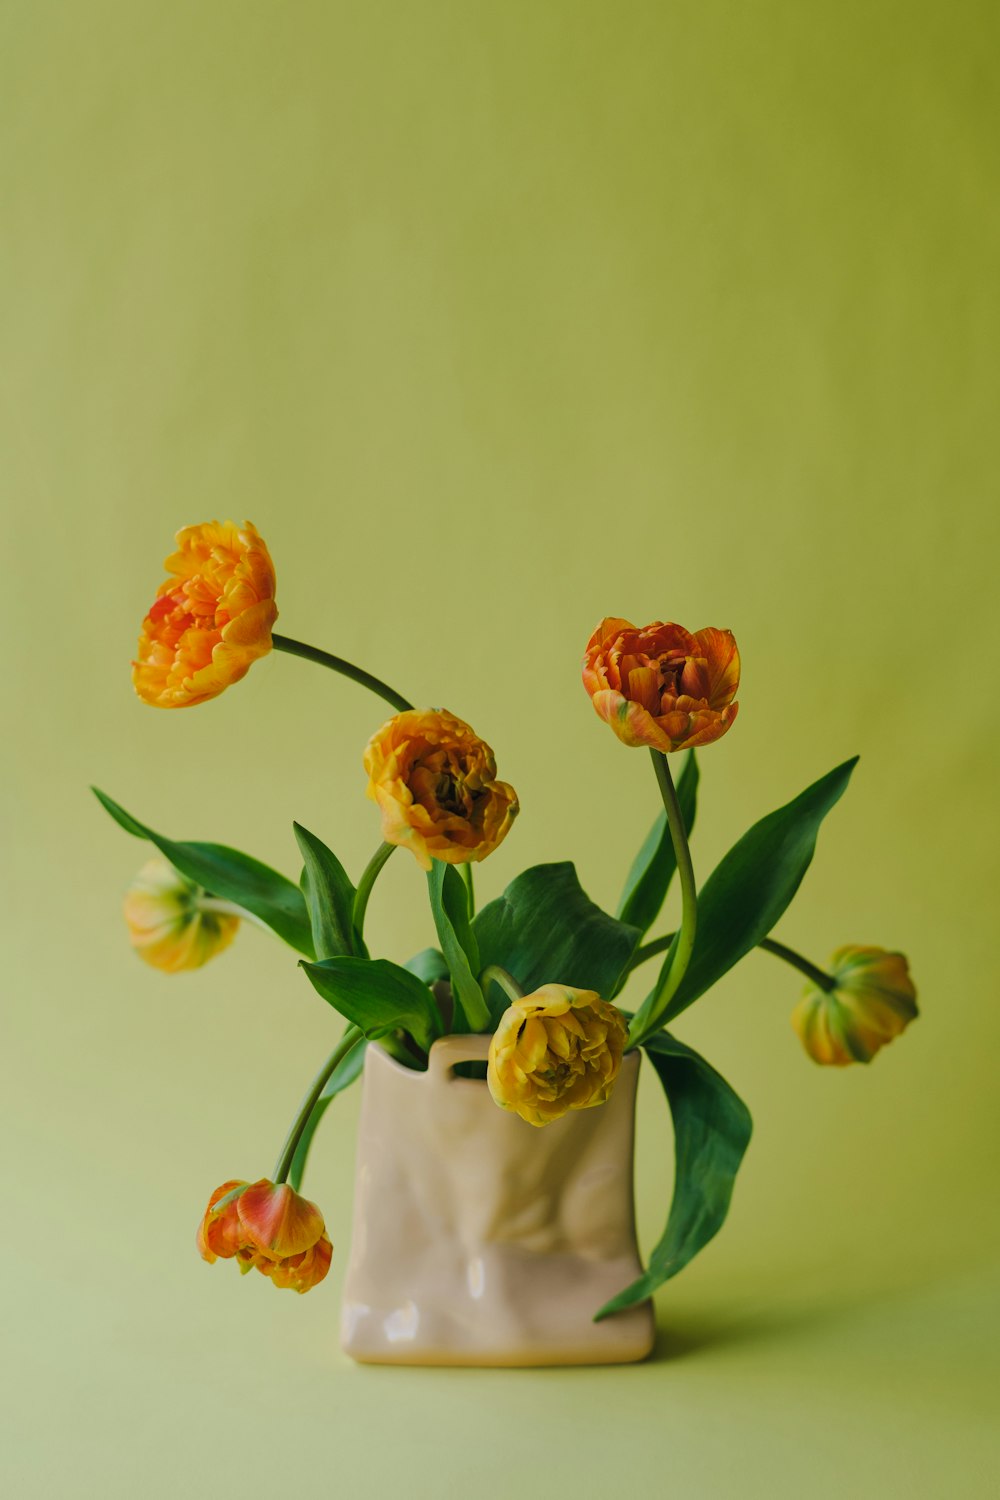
481,1240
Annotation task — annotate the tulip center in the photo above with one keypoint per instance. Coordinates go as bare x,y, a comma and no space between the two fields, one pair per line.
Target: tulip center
450,794
683,676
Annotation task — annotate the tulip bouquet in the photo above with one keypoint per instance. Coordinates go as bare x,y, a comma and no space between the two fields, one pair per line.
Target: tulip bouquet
538,970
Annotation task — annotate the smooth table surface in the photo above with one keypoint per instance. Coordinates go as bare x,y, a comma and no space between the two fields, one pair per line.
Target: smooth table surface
166,1377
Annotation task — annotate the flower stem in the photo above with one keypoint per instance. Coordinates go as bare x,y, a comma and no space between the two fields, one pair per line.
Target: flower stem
283,1165
368,879
650,950
818,976
345,668
494,974
676,967
465,870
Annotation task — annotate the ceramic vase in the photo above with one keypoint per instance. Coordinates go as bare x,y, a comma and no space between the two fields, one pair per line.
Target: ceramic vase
481,1240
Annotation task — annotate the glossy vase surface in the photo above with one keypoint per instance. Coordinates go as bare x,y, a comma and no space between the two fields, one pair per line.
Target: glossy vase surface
481,1240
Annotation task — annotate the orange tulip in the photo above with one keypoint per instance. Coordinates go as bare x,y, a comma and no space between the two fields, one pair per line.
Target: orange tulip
166,924
268,1226
211,620
435,782
660,686
874,1000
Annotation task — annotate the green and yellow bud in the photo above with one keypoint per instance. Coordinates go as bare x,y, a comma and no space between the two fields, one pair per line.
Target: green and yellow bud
873,1000
168,924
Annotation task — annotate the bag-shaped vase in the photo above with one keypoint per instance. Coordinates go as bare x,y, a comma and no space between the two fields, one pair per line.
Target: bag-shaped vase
481,1240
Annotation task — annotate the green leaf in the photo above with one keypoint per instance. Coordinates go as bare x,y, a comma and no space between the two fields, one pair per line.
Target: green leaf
450,905
545,929
655,864
231,875
749,890
428,965
329,896
344,1074
378,997
712,1128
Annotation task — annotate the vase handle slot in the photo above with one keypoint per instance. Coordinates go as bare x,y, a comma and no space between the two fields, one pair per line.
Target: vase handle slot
448,1051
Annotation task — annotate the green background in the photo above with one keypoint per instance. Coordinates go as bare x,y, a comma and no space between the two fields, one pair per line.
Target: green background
496,319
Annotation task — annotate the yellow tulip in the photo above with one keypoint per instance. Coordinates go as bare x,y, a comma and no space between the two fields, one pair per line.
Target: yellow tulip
555,1050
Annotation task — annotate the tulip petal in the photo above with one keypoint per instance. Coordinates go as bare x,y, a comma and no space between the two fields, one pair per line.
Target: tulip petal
276,1220
219,1233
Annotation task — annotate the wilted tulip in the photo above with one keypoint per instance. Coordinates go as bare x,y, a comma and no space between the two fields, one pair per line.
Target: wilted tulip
267,1226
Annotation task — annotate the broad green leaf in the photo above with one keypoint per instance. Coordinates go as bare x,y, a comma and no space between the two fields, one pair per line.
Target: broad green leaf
749,890
344,1074
378,997
231,875
655,864
544,929
450,905
329,896
712,1128
428,965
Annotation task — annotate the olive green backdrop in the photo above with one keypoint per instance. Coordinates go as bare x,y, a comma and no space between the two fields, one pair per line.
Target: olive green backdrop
497,318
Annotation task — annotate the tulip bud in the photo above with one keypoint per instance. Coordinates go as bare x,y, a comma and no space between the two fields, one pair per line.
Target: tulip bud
167,924
874,999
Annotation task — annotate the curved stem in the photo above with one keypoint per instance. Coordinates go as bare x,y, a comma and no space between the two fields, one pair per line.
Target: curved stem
345,668
676,966
818,976
650,950
368,879
283,1165
494,974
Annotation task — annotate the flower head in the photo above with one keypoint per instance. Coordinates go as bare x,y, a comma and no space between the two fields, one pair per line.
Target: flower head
435,782
661,686
555,1050
167,925
873,1001
267,1226
211,619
